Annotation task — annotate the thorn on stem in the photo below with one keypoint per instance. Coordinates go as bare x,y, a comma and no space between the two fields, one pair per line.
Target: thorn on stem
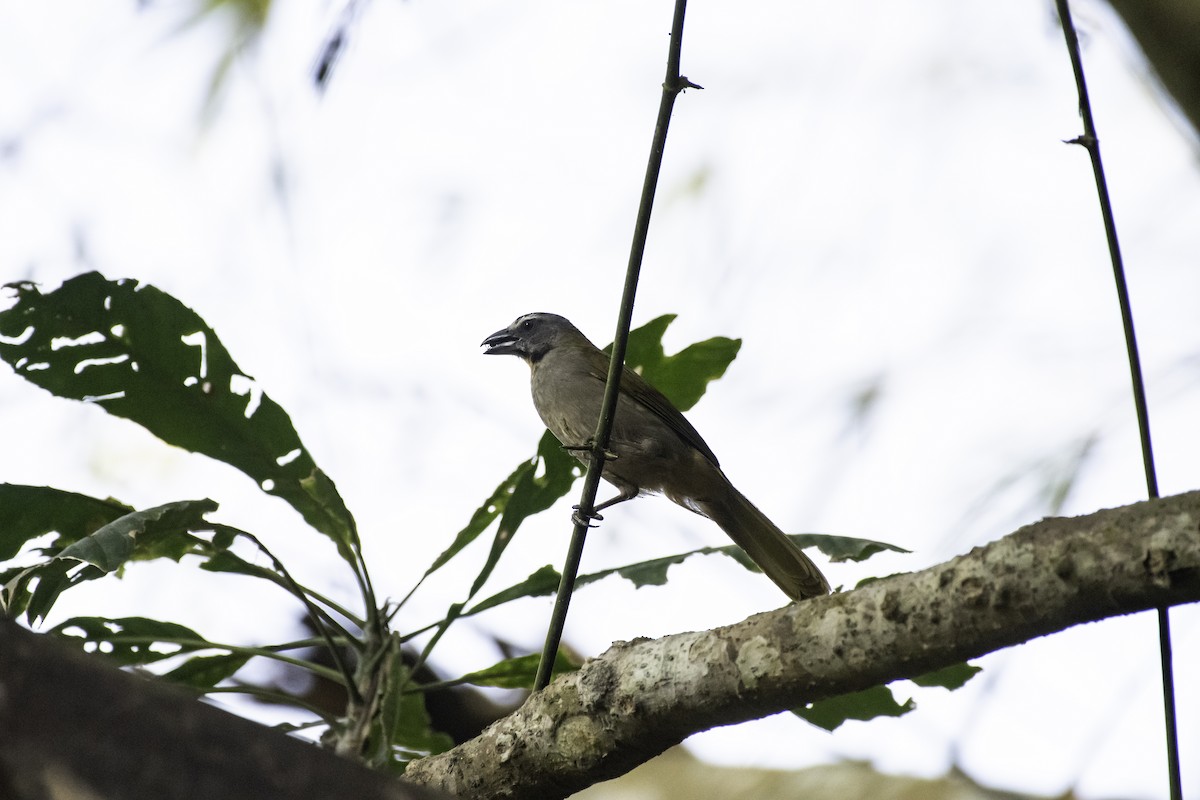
681,83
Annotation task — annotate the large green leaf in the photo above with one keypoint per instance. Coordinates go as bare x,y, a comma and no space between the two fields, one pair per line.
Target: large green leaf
139,353
27,512
685,376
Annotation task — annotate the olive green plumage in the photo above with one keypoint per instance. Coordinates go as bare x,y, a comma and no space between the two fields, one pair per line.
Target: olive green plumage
656,448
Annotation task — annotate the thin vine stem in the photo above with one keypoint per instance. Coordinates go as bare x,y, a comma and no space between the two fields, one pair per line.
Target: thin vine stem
672,86
320,623
1091,142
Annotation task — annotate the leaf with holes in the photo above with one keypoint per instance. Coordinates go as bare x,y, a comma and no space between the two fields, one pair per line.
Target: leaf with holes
140,354
131,640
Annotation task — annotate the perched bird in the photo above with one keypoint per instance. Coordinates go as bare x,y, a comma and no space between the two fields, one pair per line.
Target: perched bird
656,449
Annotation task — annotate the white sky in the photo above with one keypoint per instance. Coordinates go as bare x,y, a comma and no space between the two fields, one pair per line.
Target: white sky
864,192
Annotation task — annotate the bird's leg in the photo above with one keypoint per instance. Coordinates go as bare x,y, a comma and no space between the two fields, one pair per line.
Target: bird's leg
627,491
587,446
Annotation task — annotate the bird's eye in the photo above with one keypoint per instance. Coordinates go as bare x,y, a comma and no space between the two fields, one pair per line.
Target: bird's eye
527,325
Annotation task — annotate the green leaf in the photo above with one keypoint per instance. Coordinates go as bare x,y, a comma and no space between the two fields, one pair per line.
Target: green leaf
414,736
951,677
205,672
154,533
653,572
538,489
878,701
844,548
160,532
517,673
487,513
131,640
685,376
534,492
140,354
225,561
402,731
541,583
52,579
27,512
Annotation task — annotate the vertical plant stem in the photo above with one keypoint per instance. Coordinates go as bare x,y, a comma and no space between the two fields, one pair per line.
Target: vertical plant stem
672,86
1091,142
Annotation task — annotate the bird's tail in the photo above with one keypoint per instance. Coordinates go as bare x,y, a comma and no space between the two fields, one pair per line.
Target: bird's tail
779,557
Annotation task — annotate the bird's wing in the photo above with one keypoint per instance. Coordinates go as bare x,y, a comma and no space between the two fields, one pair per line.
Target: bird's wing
640,391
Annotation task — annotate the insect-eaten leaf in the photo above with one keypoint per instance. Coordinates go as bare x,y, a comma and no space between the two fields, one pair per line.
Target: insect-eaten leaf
130,640
140,354
877,701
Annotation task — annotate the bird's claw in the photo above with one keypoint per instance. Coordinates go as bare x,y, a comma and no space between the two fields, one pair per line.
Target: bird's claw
580,518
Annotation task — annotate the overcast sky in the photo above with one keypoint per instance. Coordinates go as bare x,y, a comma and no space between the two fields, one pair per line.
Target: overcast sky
873,196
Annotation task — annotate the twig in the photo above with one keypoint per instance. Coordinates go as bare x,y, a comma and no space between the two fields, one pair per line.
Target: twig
672,86
1091,142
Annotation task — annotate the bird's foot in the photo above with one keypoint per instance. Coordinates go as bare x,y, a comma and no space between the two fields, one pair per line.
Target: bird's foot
587,447
579,518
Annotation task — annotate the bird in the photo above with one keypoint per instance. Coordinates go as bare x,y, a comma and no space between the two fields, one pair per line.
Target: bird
653,447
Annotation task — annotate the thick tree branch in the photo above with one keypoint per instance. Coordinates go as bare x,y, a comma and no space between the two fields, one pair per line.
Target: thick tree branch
639,698
75,727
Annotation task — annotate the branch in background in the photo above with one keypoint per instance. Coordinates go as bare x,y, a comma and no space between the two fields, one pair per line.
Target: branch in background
638,699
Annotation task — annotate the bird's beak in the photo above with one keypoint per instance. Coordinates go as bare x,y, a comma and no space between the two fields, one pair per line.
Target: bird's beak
500,343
